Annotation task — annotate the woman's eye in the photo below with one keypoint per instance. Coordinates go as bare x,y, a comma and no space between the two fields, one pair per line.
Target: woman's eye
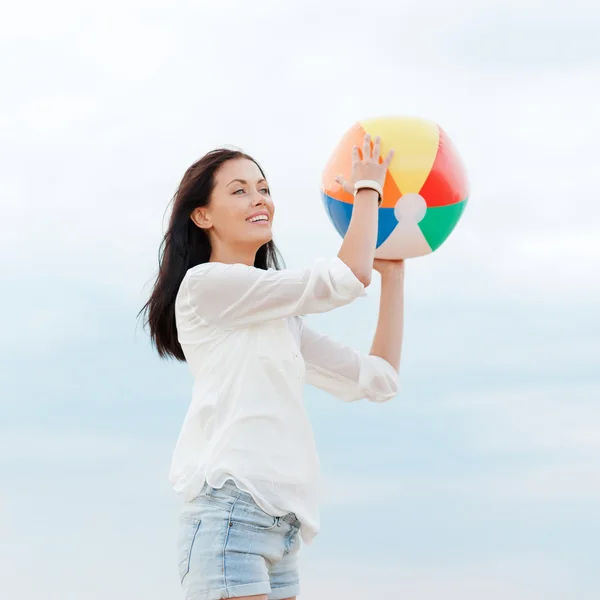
264,191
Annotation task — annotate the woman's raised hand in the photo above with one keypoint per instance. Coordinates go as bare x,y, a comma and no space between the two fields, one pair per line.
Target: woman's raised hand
369,167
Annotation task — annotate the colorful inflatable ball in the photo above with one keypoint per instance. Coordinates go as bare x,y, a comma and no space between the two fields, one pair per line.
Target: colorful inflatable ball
426,189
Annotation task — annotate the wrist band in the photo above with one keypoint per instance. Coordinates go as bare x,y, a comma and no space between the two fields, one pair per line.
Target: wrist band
369,184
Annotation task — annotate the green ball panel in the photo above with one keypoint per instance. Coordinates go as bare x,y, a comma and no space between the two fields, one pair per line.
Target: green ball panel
439,221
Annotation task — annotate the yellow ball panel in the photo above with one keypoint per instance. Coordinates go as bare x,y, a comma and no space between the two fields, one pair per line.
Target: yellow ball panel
415,142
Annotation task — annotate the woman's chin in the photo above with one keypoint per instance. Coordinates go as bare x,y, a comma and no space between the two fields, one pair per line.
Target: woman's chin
264,237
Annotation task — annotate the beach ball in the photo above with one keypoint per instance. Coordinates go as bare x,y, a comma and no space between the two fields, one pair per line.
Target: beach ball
425,192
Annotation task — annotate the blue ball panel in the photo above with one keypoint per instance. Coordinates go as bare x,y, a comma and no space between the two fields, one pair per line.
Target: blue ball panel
340,213
387,224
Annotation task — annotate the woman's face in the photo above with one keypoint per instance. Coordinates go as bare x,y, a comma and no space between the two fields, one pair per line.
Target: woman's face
240,212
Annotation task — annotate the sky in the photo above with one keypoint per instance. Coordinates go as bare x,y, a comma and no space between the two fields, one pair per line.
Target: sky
482,477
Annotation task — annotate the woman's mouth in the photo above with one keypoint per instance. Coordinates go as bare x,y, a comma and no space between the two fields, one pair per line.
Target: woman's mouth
258,219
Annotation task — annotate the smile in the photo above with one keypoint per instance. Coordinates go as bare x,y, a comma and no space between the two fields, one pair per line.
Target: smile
258,219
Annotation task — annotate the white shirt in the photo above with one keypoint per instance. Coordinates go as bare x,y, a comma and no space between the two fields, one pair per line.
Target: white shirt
250,354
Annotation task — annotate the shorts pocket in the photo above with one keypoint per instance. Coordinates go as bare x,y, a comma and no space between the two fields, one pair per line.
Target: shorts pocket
188,530
248,516
292,541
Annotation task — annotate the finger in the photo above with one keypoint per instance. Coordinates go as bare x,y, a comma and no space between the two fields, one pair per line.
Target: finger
355,155
388,158
377,149
367,147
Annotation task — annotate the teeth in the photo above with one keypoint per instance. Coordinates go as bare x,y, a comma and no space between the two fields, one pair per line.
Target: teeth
258,218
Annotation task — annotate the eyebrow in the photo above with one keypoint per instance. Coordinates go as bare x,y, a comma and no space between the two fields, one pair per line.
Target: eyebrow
244,182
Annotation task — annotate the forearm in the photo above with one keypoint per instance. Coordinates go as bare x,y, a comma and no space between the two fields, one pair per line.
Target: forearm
358,247
387,342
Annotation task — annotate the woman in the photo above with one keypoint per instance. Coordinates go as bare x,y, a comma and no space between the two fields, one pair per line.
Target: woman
245,461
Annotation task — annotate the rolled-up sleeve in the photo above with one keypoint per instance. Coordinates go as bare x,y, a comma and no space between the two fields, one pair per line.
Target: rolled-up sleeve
345,372
237,295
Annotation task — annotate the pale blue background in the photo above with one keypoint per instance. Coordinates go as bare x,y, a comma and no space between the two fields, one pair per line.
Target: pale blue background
481,480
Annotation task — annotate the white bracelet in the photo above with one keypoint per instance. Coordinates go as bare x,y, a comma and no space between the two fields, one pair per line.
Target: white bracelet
369,184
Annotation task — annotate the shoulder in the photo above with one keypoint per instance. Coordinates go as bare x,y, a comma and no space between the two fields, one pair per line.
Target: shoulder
209,268
218,270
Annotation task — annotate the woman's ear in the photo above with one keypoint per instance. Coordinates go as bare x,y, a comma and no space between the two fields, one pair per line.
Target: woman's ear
201,217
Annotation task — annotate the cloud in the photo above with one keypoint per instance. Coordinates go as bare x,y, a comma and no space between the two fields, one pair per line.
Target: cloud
525,36
563,419
52,447
494,449
532,485
522,578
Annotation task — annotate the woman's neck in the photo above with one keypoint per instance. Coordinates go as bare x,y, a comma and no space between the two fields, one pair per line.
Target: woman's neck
230,256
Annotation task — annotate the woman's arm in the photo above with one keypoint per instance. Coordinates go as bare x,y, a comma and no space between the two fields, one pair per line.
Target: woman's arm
343,371
236,295
387,343
349,374
358,246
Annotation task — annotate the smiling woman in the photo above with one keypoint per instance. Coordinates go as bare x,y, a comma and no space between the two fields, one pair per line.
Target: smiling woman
245,460
240,213
212,191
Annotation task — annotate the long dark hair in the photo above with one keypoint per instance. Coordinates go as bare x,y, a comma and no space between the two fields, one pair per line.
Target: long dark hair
185,245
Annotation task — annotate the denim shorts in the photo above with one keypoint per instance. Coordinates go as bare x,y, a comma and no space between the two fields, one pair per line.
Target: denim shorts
230,547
